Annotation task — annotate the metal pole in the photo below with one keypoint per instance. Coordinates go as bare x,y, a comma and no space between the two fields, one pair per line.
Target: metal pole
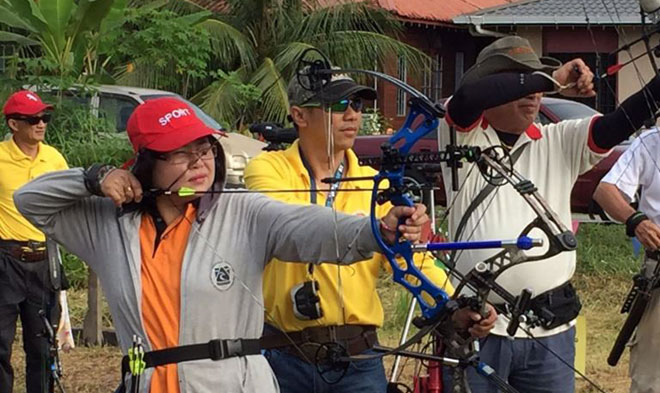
404,337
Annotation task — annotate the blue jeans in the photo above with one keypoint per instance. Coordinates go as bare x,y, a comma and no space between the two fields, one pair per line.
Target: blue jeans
295,375
524,364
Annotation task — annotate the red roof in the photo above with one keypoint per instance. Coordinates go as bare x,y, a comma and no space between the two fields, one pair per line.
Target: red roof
420,10
437,10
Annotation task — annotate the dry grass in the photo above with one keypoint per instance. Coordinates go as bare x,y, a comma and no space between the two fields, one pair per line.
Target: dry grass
602,297
86,369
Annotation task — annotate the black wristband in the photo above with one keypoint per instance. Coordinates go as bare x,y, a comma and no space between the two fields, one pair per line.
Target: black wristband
94,175
633,221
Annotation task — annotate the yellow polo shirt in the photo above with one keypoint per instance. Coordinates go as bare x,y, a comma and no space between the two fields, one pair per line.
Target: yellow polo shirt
357,292
16,169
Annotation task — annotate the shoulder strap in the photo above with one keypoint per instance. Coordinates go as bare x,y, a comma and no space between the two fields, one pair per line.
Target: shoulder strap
481,197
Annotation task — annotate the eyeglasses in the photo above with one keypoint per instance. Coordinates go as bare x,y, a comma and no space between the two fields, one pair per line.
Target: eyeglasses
204,152
34,120
341,106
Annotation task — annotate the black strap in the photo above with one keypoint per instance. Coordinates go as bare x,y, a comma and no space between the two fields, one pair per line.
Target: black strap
275,338
330,199
214,350
513,157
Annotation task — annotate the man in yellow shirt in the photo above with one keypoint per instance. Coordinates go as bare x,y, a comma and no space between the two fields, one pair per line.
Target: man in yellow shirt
25,282
317,304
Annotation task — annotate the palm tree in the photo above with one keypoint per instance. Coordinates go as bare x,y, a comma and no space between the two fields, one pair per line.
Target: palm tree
261,40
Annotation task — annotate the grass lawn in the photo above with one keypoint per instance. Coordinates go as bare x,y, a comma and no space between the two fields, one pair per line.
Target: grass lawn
605,265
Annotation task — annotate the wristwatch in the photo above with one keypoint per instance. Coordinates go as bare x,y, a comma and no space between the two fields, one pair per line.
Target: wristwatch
633,221
94,176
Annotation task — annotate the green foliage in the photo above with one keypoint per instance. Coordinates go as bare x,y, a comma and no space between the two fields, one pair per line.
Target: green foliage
242,99
164,50
37,72
373,122
84,139
269,36
59,31
76,270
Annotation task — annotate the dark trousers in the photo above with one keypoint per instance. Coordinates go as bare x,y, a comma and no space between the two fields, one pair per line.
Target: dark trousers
295,375
524,364
24,291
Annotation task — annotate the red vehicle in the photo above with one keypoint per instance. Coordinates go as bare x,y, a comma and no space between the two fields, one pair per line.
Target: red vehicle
552,110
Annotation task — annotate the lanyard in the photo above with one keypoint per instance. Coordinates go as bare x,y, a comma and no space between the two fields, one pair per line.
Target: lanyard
333,187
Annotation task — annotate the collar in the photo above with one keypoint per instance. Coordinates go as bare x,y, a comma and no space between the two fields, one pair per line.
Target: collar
292,155
533,131
17,154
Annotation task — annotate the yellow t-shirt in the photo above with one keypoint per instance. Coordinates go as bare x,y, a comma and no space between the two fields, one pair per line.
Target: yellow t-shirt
16,169
362,306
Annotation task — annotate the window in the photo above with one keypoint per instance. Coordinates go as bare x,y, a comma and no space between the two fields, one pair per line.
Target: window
437,78
402,73
460,68
543,119
117,109
432,87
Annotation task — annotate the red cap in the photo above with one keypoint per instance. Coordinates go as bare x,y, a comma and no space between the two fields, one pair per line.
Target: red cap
24,102
165,124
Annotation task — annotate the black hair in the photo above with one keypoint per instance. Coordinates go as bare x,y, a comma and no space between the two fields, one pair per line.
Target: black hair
145,162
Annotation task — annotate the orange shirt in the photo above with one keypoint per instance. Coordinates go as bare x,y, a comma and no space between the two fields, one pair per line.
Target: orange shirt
161,290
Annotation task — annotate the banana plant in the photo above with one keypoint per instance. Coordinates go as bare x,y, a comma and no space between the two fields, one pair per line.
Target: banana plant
65,32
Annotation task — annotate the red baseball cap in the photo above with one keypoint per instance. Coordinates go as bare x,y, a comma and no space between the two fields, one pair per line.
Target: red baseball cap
24,102
165,124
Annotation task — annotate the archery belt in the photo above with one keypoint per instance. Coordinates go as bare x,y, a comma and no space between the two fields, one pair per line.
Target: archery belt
214,350
305,344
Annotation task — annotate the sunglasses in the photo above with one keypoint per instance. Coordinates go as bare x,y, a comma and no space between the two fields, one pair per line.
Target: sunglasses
341,106
34,120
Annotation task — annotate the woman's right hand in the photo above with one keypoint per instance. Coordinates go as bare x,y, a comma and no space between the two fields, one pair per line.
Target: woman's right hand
122,187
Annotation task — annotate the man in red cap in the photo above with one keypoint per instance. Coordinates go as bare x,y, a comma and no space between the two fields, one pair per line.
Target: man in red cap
25,284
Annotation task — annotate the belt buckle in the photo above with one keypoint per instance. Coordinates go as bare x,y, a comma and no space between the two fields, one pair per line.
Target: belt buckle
332,333
23,253
217,350
36,245
234,347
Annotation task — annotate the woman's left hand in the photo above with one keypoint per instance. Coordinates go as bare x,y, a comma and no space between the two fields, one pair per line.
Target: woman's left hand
411,229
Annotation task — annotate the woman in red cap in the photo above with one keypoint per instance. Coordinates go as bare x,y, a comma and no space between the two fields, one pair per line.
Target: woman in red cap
183,274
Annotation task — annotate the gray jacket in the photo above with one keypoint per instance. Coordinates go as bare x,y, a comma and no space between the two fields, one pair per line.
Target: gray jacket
242,231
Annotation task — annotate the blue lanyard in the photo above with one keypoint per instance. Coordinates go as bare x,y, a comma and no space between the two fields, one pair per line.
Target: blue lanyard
333,187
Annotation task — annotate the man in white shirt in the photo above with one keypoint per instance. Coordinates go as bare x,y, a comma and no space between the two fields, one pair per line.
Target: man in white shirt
638,168
496,105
